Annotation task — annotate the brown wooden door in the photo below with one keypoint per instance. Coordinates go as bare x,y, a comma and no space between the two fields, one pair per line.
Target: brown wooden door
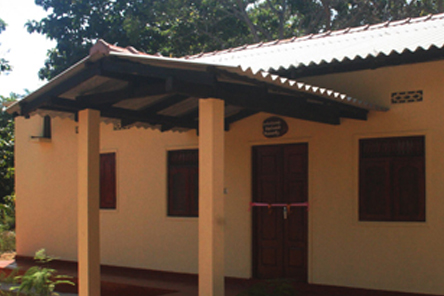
280,175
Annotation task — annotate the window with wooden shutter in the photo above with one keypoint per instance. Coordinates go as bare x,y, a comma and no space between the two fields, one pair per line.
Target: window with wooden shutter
108,181
392,179
183,183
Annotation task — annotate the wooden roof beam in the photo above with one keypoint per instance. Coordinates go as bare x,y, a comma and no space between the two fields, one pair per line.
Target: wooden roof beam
259,100
169,100
131,92
111,67
125,114
348,110
238,116
89,72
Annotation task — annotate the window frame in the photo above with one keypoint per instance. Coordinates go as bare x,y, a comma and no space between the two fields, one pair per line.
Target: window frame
185,164
394,156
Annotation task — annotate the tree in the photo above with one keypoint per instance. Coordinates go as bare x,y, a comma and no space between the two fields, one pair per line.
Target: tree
4,64
362,12
181,27
6,149
171,27
7,197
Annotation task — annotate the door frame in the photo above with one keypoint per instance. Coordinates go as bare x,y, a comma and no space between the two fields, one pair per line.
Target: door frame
310,177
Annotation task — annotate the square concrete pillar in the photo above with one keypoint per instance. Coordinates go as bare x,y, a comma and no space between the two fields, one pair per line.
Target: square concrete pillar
88,203
211,197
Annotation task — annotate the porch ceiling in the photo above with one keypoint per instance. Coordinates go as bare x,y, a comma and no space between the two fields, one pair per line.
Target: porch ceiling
138,89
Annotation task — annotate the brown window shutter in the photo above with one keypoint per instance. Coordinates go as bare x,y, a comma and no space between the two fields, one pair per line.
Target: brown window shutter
108,181
374,186
183,183
409,189
392,179
177,193
193,190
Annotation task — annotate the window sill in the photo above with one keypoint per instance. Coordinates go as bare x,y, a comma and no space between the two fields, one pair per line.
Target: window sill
181,219
37,139
386,224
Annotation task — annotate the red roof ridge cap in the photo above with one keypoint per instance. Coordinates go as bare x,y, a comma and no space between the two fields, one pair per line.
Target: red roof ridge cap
103,47
133,50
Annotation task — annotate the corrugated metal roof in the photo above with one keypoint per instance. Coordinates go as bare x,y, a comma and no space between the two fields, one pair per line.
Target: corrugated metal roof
409,35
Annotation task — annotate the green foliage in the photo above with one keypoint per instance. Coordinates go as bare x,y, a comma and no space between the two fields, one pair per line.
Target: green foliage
8,279
361,12
39,280
171,27
7,213
41,257
7,153
181,27
7,241
4,64
2,25
271,288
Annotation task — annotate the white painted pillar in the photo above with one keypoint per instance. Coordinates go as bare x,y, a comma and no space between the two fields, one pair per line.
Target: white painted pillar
211,197
88,203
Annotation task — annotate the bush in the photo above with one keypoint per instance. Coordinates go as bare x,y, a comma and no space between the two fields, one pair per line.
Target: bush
39,280
7,241
6,278
7,224
7,213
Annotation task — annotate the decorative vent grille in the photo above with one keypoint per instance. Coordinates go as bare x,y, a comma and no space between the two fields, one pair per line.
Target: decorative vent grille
407,97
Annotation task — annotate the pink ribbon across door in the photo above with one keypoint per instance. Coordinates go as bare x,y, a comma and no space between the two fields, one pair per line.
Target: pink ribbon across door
271,205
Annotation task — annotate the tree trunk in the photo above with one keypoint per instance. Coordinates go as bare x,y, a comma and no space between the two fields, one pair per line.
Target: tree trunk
327,13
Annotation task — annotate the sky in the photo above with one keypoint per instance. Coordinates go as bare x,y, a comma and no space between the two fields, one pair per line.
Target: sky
25,52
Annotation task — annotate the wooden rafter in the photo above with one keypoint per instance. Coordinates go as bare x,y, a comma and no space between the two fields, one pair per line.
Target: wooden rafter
348,110
130,92
259,100
238,116
124,114
110,67
166,102
89,72
175,84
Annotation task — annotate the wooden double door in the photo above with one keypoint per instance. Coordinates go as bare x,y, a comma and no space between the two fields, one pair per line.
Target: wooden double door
280,175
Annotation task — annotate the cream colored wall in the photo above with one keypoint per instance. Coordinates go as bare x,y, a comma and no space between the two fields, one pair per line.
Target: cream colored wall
46,186
342,251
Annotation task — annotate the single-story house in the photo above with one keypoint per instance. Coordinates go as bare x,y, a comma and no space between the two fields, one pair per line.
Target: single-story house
317,158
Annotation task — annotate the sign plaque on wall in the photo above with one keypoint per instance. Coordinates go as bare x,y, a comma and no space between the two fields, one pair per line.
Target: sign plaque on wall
274,127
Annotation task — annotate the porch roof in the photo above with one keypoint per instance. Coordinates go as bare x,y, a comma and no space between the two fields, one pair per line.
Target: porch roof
132,88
